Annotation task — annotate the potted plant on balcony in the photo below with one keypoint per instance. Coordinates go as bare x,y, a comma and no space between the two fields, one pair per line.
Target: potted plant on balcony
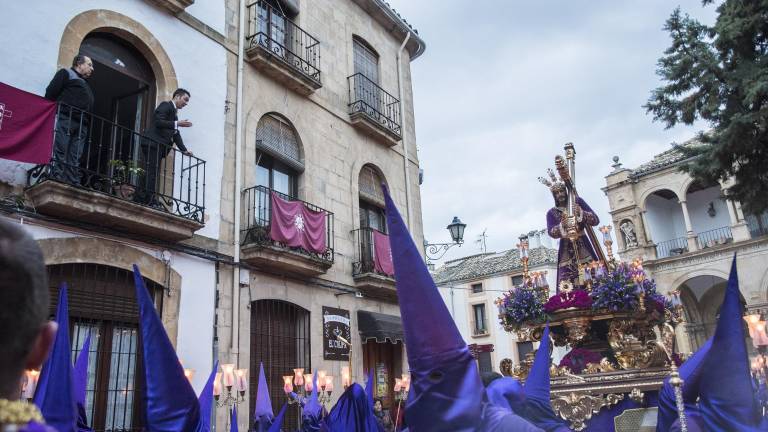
122,171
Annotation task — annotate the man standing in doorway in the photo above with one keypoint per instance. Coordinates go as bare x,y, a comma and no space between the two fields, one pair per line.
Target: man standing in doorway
70,88
162,134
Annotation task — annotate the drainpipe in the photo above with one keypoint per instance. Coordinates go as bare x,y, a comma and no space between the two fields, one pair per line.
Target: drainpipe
405,142
234,348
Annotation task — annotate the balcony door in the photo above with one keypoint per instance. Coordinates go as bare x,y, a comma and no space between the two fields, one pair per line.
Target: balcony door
366,63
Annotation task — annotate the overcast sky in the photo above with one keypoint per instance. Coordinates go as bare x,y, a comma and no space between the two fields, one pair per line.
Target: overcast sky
504,84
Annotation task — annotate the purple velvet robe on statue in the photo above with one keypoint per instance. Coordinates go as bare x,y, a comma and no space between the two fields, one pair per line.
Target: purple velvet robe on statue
567,267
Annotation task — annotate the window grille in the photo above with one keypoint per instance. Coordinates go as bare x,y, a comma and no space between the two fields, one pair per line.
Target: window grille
277,138
369,183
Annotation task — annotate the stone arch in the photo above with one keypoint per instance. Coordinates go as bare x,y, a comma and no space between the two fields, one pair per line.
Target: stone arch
105,252
700,307
106,21
644,197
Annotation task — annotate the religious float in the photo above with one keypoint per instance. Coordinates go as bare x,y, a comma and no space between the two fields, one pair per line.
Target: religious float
617,325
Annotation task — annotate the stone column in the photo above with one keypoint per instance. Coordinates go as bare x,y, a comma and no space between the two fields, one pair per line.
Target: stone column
692,245
739,228
649,249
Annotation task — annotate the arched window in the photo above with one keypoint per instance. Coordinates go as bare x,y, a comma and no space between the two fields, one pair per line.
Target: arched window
278,155
102,303
280,339
371,198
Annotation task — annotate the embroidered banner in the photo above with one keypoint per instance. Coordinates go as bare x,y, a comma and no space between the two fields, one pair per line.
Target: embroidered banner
382,254
293,224
26,126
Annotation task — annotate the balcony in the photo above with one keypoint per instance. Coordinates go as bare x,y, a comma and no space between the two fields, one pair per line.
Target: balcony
373,111
258,247
668,248
758,224
123,181
715,237
282,50
371,281
174,6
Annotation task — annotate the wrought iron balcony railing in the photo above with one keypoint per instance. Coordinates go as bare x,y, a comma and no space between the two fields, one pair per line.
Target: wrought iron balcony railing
366,97
758,224
258,217
714,237
125,164
271,30
676,246
364,253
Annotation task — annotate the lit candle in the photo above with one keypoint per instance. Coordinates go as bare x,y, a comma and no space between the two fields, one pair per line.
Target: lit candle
228,374
398,384
30,385
287,386
217,385
407,383
298,376
321,377
308,385
189,374
345,381
242,379
329,383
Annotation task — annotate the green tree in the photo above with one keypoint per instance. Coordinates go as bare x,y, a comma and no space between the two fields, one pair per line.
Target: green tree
719,74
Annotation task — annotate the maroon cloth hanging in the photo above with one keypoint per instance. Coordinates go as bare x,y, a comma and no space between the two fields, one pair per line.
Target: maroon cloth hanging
382,254
293,224
26,126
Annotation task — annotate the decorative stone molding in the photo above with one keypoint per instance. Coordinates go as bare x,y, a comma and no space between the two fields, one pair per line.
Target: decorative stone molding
105,252
174,6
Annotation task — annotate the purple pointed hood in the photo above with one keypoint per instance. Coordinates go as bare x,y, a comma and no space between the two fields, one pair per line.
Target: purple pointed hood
278,423
369,389
352,412
205,400
446,390
690,372
538,409
727,401
170,401
55,393
80,378
263,416
233,420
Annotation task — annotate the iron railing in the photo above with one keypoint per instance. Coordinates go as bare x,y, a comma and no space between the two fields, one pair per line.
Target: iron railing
758,224
271,30
676,246
366,97
123,163
714,237
257,219
364,253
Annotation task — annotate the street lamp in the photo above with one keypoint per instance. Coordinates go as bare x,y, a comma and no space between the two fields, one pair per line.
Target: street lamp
435,251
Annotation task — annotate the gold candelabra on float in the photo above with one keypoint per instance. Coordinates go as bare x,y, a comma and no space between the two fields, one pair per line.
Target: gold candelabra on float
402,387
608,242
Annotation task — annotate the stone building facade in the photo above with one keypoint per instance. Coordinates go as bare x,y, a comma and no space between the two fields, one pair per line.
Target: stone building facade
470,286
687,235
310,100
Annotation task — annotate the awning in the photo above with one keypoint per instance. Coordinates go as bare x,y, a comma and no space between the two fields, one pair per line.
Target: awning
381,327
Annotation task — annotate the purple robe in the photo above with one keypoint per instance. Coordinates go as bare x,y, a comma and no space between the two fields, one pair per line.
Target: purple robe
567,266
36,427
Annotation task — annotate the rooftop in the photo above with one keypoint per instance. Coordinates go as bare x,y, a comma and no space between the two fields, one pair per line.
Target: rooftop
665,159
486,264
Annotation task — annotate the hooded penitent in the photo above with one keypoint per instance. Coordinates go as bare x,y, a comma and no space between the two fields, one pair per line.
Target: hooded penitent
80,378
506,392
277,424
55,393
726,399
538,409
313,411
352,412
205,400
263,416
690,372
446,392
170,402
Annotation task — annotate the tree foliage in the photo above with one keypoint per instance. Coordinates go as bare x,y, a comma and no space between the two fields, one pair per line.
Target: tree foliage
719,74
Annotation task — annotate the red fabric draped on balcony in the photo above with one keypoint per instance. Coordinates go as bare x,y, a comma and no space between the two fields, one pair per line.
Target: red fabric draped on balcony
382,254
293,224
26,126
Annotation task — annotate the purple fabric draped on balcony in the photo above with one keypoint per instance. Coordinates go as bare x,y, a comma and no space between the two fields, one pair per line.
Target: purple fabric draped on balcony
293,224
26,126
382,254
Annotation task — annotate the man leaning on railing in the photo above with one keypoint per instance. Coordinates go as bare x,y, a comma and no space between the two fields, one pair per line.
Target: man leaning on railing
70,88
162,134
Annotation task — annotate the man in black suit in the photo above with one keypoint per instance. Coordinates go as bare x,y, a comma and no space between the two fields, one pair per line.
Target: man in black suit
162,134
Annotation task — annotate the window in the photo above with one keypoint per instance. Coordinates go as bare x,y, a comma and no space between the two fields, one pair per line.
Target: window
280,339
278,155
366,60
523,348
477,288
517,280
102,303
484,362
478,314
